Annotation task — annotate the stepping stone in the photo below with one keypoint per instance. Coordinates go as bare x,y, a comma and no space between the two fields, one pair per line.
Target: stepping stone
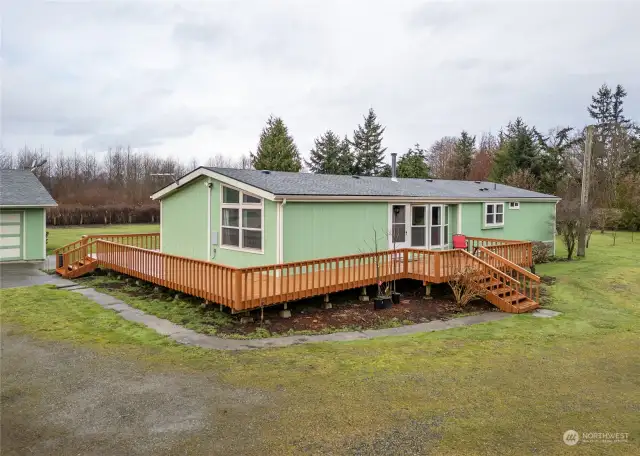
545,313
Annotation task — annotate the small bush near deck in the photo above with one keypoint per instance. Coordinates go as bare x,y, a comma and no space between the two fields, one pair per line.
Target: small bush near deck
541,253
466,286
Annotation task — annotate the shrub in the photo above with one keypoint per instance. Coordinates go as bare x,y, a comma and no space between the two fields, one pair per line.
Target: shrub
541,252
466,286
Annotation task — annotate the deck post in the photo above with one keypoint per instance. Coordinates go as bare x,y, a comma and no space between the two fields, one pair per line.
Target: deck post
363,295
326,304
427,291
285,313
237,292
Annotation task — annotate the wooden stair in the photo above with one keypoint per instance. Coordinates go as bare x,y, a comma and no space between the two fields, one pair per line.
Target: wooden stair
78,268
502,294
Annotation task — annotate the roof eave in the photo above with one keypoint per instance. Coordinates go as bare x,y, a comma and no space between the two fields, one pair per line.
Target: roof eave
202,171
16,206
383,198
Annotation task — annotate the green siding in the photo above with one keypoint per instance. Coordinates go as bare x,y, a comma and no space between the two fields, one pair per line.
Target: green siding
184,227
532,222
32,234
184,221
320,230
35,232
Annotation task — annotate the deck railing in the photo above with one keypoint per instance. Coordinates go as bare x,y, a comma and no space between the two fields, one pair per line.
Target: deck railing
252,287
211,281
527,283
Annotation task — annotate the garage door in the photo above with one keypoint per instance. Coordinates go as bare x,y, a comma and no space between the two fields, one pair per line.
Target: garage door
11,236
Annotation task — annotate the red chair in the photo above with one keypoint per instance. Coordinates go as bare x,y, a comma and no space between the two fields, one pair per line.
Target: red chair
459,241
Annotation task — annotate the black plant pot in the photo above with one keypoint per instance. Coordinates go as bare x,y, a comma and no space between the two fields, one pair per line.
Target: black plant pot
395,297
383,302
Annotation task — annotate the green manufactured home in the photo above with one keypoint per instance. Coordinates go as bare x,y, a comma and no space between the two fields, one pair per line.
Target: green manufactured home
247,218
23,227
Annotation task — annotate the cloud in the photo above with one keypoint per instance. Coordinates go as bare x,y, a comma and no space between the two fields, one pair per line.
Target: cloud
195,78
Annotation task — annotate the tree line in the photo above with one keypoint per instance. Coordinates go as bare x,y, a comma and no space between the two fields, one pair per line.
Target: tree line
114,187
519,154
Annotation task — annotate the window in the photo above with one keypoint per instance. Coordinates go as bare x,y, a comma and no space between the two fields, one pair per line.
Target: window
418,226
241,220
436,226
493,214
514,205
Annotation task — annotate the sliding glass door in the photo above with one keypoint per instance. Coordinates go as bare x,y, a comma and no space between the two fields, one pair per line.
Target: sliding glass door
422,226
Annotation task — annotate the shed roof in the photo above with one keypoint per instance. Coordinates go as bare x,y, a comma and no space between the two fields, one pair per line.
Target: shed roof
19,187
287,183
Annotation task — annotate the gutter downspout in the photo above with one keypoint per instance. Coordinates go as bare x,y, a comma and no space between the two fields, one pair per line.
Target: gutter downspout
209,184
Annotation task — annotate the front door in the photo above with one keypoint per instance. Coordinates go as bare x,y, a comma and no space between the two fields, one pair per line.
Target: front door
399,233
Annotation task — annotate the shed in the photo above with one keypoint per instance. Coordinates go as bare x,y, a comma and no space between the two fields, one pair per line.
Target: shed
23,222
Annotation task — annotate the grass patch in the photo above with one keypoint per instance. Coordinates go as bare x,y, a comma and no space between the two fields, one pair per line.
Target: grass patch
188,312
509,387
61,236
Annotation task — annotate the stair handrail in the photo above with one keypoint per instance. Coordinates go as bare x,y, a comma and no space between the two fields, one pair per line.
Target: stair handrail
511,264
492,268
65,255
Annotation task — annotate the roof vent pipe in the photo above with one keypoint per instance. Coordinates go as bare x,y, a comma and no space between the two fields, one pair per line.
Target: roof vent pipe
393,167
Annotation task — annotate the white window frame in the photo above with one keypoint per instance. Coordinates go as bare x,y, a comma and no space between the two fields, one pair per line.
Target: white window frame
484,215
425,227
444,222
514,205
240,205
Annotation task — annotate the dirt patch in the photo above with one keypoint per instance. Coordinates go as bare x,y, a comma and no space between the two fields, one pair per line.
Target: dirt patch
349,313
307,316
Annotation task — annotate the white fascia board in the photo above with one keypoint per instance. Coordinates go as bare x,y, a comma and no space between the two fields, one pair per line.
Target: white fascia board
220,178
20,206
386,199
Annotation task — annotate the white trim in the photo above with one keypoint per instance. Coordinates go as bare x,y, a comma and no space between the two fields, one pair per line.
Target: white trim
405,199
44,235
209,185
459,223
240,205
516,206
17,206
486,225
161,226
407,226
280,231
425,226
24,235
219,177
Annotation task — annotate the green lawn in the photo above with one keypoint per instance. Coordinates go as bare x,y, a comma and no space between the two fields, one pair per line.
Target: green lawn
508,387
59,237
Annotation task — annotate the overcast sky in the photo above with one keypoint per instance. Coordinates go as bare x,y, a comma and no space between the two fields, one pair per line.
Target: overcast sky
192,79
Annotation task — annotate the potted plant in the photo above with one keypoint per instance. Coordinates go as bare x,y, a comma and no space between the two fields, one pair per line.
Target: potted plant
383,299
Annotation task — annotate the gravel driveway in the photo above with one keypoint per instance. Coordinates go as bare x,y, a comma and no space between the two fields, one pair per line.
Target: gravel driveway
61,399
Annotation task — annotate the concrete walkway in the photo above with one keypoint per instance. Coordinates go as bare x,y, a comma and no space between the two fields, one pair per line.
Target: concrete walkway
190,337
14,275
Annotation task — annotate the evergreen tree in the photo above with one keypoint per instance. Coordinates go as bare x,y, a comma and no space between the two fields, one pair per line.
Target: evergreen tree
330,155
519,150
463,155
276,149
414,163
367,147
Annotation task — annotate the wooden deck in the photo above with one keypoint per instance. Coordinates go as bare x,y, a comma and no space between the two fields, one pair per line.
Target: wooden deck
249,288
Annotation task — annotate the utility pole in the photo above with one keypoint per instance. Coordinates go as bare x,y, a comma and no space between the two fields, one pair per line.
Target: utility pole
584,195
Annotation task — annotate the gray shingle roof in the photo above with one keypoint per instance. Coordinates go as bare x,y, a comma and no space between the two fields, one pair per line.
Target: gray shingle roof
20,187
284,183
